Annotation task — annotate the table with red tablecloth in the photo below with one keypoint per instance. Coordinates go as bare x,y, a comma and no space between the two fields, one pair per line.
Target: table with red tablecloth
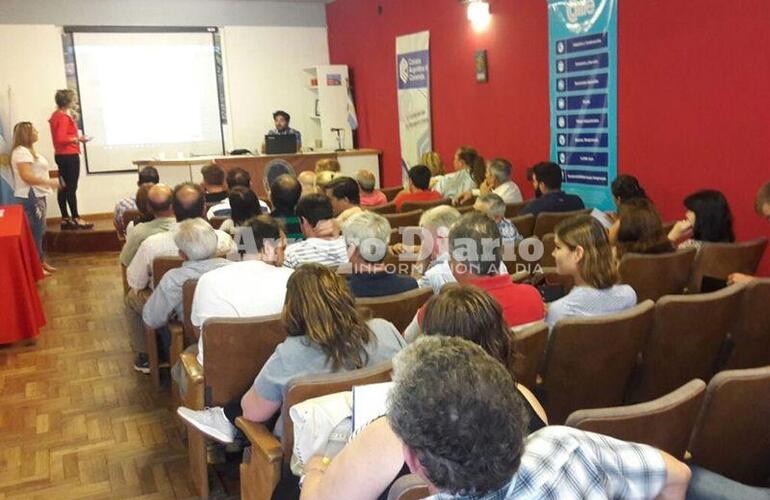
21,313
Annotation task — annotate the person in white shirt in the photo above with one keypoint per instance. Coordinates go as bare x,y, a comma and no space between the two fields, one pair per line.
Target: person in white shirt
31,184
188,203
313,210
583,252
468,174
235,177
498,181
251,288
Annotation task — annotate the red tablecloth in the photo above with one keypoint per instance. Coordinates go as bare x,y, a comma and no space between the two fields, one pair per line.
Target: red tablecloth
21,313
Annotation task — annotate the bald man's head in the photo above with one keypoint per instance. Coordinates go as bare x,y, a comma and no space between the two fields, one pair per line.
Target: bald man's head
159,198
189,201
284,193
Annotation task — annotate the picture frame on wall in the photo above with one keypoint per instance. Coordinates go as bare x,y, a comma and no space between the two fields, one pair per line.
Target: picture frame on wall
480,59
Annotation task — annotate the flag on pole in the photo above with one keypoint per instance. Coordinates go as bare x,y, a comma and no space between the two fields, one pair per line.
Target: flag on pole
6,179
352,116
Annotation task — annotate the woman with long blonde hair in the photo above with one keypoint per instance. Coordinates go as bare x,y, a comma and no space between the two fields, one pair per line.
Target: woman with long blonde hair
326,334
31,183
583,252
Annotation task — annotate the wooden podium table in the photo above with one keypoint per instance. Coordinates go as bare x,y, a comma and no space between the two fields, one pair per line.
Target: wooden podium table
174,171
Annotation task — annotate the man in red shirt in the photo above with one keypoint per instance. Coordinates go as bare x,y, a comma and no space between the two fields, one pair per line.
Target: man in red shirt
419,187
475,257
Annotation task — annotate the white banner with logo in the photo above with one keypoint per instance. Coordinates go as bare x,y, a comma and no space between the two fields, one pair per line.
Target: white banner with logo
413,79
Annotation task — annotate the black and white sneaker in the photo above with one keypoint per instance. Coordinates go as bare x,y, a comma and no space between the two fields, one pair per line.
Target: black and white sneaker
141,363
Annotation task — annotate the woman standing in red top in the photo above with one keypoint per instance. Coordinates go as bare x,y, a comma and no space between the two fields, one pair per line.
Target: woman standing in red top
66,143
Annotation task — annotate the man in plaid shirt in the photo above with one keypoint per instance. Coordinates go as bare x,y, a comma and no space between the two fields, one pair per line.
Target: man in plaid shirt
147,176
463,432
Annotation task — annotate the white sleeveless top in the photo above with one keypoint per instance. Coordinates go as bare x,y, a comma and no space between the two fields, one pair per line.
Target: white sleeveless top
22,154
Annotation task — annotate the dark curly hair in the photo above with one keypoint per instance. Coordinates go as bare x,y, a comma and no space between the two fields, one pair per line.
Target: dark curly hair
454,406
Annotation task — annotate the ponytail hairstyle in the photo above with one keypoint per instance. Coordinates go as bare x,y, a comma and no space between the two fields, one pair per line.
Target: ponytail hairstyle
598,267
626,187
474,162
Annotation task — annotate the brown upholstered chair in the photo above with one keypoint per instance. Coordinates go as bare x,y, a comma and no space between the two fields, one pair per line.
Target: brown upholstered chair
391,192
549,245
685,342
234,352
268,457
128,216
216,222
512,209
665,423
387,208
409,206
589,360
653,276
719,260
750,333
525,224
404,218
529,347
399,308
191,332
409,487
159,268
547,221
397,235
732,435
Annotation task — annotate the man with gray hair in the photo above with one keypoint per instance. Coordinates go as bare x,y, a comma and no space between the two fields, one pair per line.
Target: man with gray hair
463,432
498,181
493,207
197,242
367,235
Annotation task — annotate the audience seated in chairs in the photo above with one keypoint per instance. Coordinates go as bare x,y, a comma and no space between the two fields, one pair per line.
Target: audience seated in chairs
469,173
762,206
326,334
492,206
323,179
435,224
369,196
626,188
367,235
214,183
327,165
235,177
252,288
474,261
547,178
244,205
313,211
307,181
187,204
487,453
197,243
160,200
418,189
583,252
707,219
345,198
148,176
638,229
284,195
498,181
142,206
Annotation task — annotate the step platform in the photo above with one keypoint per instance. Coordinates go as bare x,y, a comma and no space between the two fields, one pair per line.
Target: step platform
102,238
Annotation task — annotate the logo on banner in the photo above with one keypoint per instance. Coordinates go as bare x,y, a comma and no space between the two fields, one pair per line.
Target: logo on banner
403,70
580,15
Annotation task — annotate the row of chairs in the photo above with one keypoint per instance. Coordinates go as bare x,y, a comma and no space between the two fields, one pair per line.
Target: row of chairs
721,427
644,352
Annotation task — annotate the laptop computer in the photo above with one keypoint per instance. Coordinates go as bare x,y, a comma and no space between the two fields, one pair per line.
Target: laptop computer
280,144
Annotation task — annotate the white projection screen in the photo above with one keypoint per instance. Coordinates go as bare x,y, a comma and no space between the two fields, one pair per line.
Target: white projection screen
147,95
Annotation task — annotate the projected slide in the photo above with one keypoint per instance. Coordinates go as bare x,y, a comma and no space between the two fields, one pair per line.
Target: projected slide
147,95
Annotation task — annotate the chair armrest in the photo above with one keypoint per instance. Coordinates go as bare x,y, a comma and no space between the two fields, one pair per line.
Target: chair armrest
176,332
264,445
192,368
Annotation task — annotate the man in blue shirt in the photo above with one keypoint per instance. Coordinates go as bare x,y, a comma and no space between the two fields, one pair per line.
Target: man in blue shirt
546,176
282,119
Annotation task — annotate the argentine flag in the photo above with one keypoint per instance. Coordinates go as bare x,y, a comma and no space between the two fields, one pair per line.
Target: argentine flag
352,116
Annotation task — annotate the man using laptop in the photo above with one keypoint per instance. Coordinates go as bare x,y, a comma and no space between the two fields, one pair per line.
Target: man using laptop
282,119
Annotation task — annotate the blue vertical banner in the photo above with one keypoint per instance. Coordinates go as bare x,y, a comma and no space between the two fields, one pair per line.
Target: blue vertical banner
583,80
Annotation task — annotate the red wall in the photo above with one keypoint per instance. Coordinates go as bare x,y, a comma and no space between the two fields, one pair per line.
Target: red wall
694,90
